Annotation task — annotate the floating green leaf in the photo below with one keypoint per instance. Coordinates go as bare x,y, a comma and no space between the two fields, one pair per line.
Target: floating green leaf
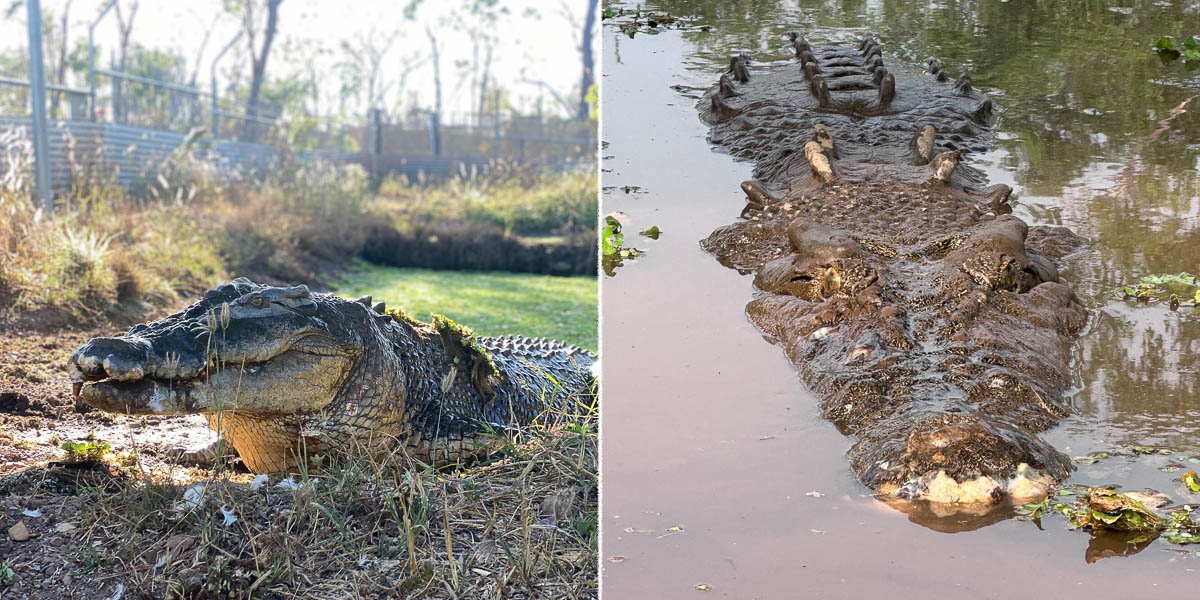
1191,481
1181,529
1091,458
1166,44
1191,48
1034,510
652,232
1165,286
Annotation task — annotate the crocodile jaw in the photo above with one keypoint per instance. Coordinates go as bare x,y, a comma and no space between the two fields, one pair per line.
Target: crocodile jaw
293,382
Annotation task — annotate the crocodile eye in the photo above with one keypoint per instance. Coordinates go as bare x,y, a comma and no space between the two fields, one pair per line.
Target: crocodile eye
256,302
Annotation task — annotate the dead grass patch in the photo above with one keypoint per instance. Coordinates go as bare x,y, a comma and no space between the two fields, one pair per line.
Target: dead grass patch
520,526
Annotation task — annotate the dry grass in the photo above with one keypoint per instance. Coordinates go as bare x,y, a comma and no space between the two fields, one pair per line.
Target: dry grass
527,203
521,526
104,246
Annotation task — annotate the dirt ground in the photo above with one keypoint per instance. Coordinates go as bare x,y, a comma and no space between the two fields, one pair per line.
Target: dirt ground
37,412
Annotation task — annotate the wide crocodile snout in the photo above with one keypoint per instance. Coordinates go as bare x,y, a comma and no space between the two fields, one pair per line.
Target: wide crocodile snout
121,358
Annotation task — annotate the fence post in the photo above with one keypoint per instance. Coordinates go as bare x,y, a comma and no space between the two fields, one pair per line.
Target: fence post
435,135
37,96
116,90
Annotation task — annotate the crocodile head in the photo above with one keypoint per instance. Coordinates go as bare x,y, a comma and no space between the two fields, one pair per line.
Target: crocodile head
243,347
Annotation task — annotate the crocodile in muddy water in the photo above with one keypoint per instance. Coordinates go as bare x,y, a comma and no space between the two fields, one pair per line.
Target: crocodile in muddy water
931,324
286,373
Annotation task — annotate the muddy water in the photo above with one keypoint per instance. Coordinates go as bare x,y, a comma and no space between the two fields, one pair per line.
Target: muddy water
718,469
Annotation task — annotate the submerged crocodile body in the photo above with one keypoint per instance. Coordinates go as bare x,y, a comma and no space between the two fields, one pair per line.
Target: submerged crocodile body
286,373
932,325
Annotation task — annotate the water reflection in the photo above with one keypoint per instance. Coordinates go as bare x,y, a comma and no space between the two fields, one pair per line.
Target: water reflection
1092,137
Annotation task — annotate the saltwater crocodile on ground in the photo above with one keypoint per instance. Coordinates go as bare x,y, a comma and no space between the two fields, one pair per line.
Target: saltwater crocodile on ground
285,373
931,324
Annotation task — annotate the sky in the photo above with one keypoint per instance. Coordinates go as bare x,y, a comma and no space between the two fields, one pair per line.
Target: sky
541,47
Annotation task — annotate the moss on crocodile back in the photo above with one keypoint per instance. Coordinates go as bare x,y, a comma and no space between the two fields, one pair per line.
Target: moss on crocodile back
463,346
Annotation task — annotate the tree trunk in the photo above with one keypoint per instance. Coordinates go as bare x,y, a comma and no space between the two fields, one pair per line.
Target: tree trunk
124,30
437,72
585,49
249,128
61,67
200,51
483,83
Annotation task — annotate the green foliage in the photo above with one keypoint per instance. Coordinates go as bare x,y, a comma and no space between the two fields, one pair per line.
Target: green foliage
1191,481
461,343
6,573
1170,50
1034,510
1103,508
1170,287
613,252
561,308
541,204
1181,529
1091,458
593,100
652,233
92,451
612,241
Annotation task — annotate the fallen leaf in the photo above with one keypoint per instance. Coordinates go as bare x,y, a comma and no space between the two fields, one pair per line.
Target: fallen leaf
616,559
814,494
704,587
817,530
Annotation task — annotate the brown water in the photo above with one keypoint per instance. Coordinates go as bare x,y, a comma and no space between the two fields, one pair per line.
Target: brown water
707,427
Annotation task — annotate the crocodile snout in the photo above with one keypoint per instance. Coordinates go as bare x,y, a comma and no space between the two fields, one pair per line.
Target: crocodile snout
122,359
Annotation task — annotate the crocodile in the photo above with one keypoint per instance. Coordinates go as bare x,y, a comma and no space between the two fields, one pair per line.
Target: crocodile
931,323
284,374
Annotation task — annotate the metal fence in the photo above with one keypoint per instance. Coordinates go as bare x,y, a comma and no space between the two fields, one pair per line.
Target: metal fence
84,151
126,133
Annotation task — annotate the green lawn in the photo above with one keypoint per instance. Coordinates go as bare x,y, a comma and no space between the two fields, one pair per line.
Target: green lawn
491,303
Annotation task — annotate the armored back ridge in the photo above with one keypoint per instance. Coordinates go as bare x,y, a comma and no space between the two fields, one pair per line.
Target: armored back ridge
931,324
287,373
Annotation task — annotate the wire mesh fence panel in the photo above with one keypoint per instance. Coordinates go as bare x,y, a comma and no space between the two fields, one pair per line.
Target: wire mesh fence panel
14,98
87,152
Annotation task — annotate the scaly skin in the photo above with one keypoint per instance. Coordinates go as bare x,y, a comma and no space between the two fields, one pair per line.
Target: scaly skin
932,325
290,374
